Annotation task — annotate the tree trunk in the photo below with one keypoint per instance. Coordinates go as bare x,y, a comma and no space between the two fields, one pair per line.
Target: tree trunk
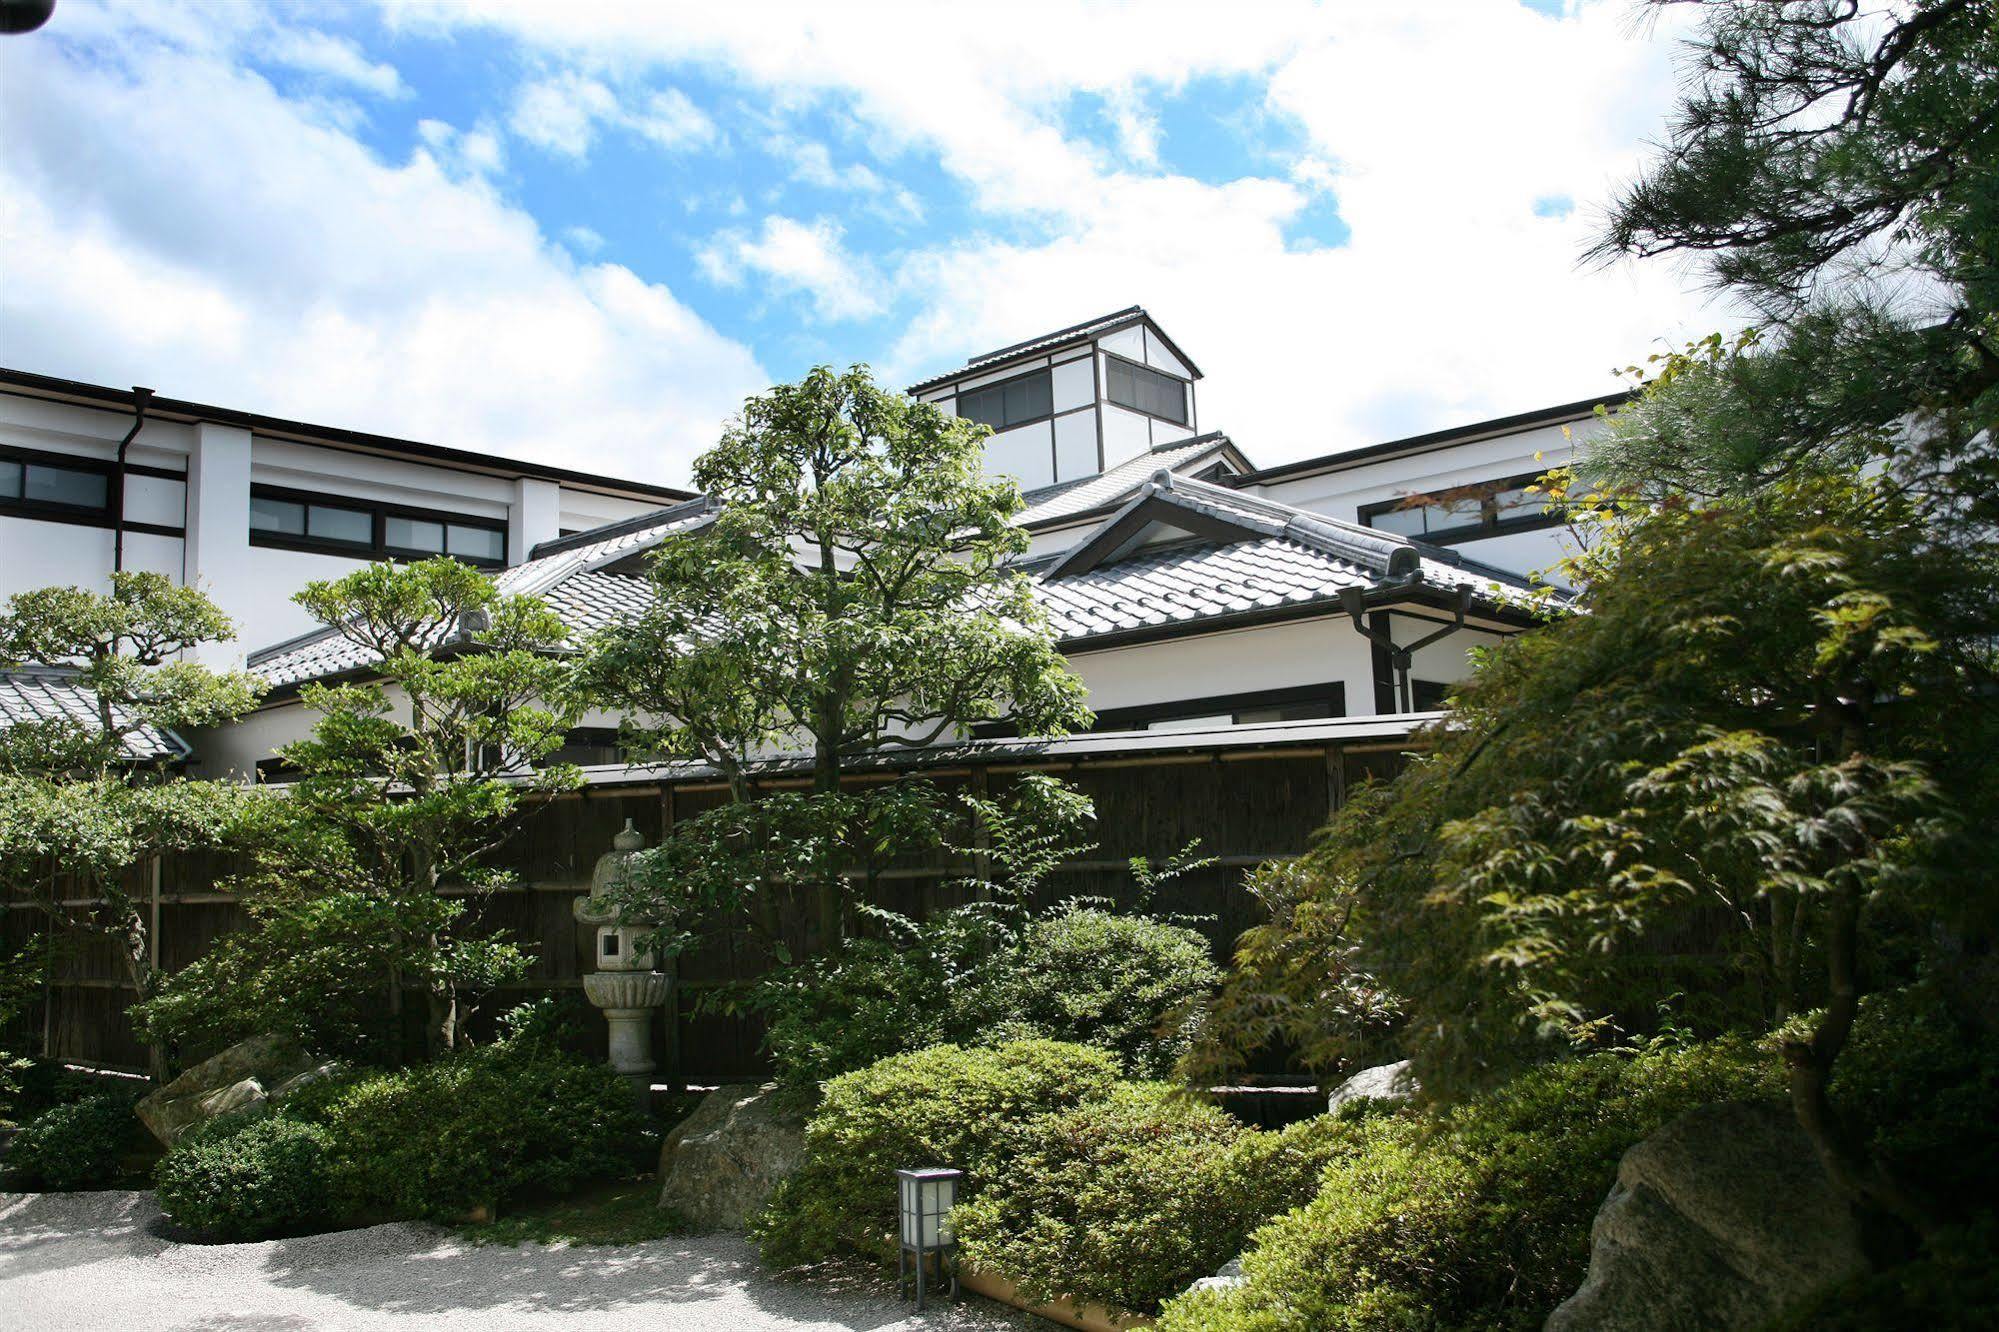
1808,1065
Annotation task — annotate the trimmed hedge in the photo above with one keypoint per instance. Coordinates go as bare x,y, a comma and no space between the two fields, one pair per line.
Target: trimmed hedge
1128,1199
432,1142
246,1179
1477,1218
942,1106
82,1144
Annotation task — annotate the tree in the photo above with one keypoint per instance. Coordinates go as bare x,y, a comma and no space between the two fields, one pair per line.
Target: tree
1745,782
84,798
854,592
408,784
1833,167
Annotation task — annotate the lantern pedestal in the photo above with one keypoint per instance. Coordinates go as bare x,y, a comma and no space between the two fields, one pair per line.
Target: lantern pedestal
624,985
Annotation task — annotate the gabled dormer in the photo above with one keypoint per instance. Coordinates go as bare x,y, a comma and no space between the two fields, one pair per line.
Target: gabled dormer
1076,402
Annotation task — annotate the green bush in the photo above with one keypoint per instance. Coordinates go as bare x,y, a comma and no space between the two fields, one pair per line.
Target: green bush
946,1105
1127,1199
81,1144
1479,1217
479,1128
1122,983
244,1179
969,977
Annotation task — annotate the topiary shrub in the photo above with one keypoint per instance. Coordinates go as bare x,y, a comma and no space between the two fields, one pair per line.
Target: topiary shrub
946,1105
477,1129
82,1144
1127,1199
245,1179
1478,1217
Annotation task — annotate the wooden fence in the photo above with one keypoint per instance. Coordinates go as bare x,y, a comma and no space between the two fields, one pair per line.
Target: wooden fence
1244,804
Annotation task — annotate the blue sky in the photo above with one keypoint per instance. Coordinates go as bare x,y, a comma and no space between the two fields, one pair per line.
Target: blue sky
584,232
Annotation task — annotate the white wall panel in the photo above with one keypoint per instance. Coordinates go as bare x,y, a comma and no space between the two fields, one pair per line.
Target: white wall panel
38,554
154,499
1276,656
1075,445
1165,432
1157,356
1126,342
1075,385
1126,434
1025,453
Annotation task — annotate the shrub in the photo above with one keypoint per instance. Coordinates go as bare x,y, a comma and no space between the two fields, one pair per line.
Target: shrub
946,1105
1122,983
479,1128
967,977
81,1144
1479,1217
1127,1199
243,1179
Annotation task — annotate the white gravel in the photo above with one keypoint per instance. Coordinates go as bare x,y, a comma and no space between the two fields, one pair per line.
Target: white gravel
100,1260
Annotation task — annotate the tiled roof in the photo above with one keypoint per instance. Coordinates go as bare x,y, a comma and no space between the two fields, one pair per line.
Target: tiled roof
47,696
1052,503
1089,328
1185,583
1286,557
572,580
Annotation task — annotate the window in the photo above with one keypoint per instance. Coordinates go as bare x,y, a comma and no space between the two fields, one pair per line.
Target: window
1463,513
1300,703
300,521
37,483
1129,384
1010,403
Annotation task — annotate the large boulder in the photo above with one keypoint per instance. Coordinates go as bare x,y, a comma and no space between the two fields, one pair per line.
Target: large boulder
250,1075
719,1166
1723,1219
1392,1083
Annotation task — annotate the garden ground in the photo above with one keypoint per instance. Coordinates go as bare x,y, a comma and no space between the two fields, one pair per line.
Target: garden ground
103,1260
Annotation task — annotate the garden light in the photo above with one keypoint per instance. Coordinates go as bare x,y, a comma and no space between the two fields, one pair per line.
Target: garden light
925,1199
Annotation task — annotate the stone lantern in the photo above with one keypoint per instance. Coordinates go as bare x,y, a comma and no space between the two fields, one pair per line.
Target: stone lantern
625,985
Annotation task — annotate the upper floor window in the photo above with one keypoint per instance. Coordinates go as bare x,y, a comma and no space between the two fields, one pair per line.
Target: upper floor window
297,520
35,483
1463,513
1129,384
1011,402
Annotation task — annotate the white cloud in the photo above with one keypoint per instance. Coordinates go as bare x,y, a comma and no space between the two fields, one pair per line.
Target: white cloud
585,240
796,256
1431,128
561,112
225,247
337,58
811,163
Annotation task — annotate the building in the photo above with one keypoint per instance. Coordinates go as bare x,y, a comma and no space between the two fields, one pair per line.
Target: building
1191,590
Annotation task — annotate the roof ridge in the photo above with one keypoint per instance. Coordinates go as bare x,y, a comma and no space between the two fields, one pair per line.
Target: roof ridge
1383,552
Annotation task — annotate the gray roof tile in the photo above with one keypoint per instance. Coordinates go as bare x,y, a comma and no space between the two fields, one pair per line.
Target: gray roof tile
50,696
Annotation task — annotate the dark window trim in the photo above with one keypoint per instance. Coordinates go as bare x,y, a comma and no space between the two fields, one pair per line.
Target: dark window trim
89,515
1125,719
377,547
1049,370
1485,527
1186,396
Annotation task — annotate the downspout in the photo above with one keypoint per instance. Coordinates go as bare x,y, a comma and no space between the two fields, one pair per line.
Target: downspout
1401,657
140,397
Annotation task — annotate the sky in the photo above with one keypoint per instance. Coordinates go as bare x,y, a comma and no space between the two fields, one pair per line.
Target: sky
584,232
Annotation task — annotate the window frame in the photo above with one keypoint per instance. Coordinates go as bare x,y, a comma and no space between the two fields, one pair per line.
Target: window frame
1186,418
1046,371
379,512
1488,525
1333,693
92,515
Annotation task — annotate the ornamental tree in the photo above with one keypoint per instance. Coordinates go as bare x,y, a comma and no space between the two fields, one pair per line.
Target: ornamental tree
1745,783
853,592
84,799
411,779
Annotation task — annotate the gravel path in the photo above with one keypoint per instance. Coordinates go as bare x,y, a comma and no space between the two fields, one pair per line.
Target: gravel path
99,1260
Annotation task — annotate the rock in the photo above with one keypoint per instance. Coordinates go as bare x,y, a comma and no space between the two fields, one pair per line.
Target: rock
718,1167
238,1079
1393,1083
1227,1277
1723,1219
